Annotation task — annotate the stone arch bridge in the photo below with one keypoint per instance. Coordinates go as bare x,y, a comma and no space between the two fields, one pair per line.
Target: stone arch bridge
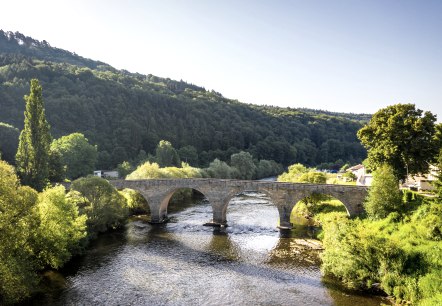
219,192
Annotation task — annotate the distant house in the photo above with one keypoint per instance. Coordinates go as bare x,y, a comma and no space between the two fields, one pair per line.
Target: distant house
111,174
362,178
422,182
357,170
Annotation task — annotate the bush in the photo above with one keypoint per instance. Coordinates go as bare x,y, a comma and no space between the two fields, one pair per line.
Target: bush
293,173
220,169
18,222
136,203
431,284
150,170
60,230
384,196
402,253
104,207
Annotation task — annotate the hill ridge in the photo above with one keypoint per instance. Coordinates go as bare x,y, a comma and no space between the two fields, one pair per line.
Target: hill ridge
125,113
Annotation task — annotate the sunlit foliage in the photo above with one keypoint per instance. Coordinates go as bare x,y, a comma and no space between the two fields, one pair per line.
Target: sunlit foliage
136,203
400,255
104,207
60,230
18,223
243,162
150,170
124,169
166,155
293,174
78,156
402,137
125,113
438,182
384,196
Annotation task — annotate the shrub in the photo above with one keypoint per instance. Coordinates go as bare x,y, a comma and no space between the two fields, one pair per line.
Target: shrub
136,203
60,229
384,196
102,204
18,222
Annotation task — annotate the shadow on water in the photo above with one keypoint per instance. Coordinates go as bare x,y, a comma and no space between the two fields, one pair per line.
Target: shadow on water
220,249
99,253
188,256
185,198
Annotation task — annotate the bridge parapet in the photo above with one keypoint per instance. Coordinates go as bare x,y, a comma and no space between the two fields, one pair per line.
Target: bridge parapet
220,191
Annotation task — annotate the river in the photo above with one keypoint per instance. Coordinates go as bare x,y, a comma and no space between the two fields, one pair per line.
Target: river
184,263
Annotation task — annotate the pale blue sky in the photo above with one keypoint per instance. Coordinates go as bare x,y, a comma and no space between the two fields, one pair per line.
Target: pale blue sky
347,56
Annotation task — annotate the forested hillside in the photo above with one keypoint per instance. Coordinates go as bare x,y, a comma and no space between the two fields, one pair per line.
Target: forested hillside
124,113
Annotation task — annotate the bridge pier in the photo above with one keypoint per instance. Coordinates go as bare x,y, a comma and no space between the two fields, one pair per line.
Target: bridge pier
284,218
284,196
157,202
219,208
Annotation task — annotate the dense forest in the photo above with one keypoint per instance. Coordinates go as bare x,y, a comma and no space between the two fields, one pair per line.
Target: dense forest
127,113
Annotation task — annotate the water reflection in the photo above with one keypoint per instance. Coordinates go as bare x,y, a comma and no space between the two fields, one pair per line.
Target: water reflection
184,263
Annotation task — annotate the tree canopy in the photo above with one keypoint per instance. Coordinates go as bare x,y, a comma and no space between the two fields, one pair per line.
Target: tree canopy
17,225
384,196
403,137
76,154
243,161
126,113
8,142
102,204
33,149
166,155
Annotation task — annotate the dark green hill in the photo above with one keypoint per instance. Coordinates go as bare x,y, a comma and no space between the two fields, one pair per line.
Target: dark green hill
124,112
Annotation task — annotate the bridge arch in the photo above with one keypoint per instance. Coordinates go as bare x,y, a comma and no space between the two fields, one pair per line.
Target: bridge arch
283,206
326,197
308,207
162,208
219,192
242,209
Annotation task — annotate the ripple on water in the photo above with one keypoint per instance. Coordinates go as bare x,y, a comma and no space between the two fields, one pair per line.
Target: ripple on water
185,263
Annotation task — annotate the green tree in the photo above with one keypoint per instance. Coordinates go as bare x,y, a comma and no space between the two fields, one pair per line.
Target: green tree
438,182
166,155
60,230
403,137
140,158
102,204
267,168
313,177
243,161
77,154
32,157
350,176
147,170
189,154
18,222
124,169
220,169
293,174
57,171
384,195
8,142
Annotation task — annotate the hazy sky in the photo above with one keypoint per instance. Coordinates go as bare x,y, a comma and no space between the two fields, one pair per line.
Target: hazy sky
349,56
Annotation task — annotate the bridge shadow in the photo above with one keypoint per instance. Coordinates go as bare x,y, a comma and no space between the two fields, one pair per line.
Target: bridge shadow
222,253
184,198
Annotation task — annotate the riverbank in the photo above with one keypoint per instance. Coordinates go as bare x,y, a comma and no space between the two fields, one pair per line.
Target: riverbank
181,262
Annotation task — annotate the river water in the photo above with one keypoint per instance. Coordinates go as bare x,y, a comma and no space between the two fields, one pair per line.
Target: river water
184,263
